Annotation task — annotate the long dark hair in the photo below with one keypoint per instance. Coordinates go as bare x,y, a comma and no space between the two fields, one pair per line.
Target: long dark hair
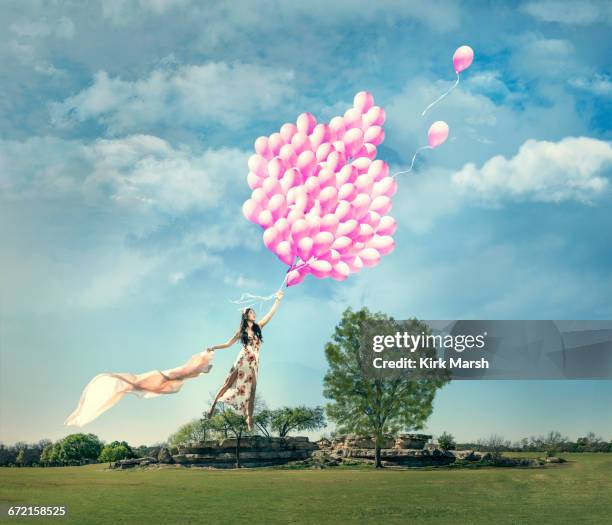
244,325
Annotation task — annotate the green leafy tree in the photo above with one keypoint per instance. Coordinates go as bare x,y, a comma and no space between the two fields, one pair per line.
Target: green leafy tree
289,419
377,406
226,422
229,423
196,430
446,441
116,451
76,448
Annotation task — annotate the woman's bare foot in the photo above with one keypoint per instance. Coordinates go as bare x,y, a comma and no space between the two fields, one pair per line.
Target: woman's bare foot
250,423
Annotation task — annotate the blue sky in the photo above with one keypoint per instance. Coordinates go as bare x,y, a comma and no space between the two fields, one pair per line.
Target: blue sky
125,127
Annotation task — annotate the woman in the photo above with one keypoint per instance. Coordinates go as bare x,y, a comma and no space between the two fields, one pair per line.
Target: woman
241,382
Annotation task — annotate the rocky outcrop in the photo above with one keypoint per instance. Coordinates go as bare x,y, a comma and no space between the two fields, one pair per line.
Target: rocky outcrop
255,451
404,450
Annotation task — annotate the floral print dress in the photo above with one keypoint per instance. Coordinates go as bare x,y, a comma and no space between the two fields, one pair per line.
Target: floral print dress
239,388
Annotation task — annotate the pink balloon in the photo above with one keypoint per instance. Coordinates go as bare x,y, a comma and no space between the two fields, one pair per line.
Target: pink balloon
378,169
276,167
299,229
366,232
271,237
363,101
323,151
372,218
251,209
329,223
261,147
348,228
342,244
387,226
384,244
260,197
277,206
386,186
320,268
287,131
369,256
367,150
343,211
361,163
336,160
265,218
322,242
336,128
437,134
300,142
254,181
275,142
306,162
304,248
258,165
374,117
340,271
271,186
347,192
374,135
284,252
327,178
463,58
353,139
348,173
352,118
381,204
319,135
296,276
306,123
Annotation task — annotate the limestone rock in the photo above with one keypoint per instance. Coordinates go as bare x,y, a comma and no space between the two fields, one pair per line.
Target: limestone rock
164,456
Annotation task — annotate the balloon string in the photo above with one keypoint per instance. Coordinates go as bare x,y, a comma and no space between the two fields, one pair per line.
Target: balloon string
247,300
441,96
412,163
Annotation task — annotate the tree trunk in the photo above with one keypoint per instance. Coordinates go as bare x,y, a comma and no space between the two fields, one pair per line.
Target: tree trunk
377,447
238,450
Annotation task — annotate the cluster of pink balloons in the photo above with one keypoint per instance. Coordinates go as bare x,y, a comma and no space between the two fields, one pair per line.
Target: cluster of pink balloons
321,195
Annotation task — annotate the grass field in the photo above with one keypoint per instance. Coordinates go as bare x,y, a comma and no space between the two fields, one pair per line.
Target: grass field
579,491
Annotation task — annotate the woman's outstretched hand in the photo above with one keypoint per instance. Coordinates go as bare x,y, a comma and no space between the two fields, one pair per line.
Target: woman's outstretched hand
279,295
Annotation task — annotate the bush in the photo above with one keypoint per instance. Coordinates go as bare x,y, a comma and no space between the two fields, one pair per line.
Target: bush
446,441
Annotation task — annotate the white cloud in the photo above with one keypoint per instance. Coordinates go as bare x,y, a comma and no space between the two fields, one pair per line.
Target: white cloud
570,12
193,96
136,172
539,58
571,169
597,84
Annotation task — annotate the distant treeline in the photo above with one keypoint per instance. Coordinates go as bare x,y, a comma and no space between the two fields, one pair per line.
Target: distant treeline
552,442
74,449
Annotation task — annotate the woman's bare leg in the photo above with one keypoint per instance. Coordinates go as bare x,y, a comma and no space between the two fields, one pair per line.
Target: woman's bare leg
251,405
228,383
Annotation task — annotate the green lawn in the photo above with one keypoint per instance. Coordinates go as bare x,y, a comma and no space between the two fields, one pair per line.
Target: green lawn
579,491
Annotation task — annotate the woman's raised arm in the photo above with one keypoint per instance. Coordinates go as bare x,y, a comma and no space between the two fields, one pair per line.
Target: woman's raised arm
229,343
266,318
